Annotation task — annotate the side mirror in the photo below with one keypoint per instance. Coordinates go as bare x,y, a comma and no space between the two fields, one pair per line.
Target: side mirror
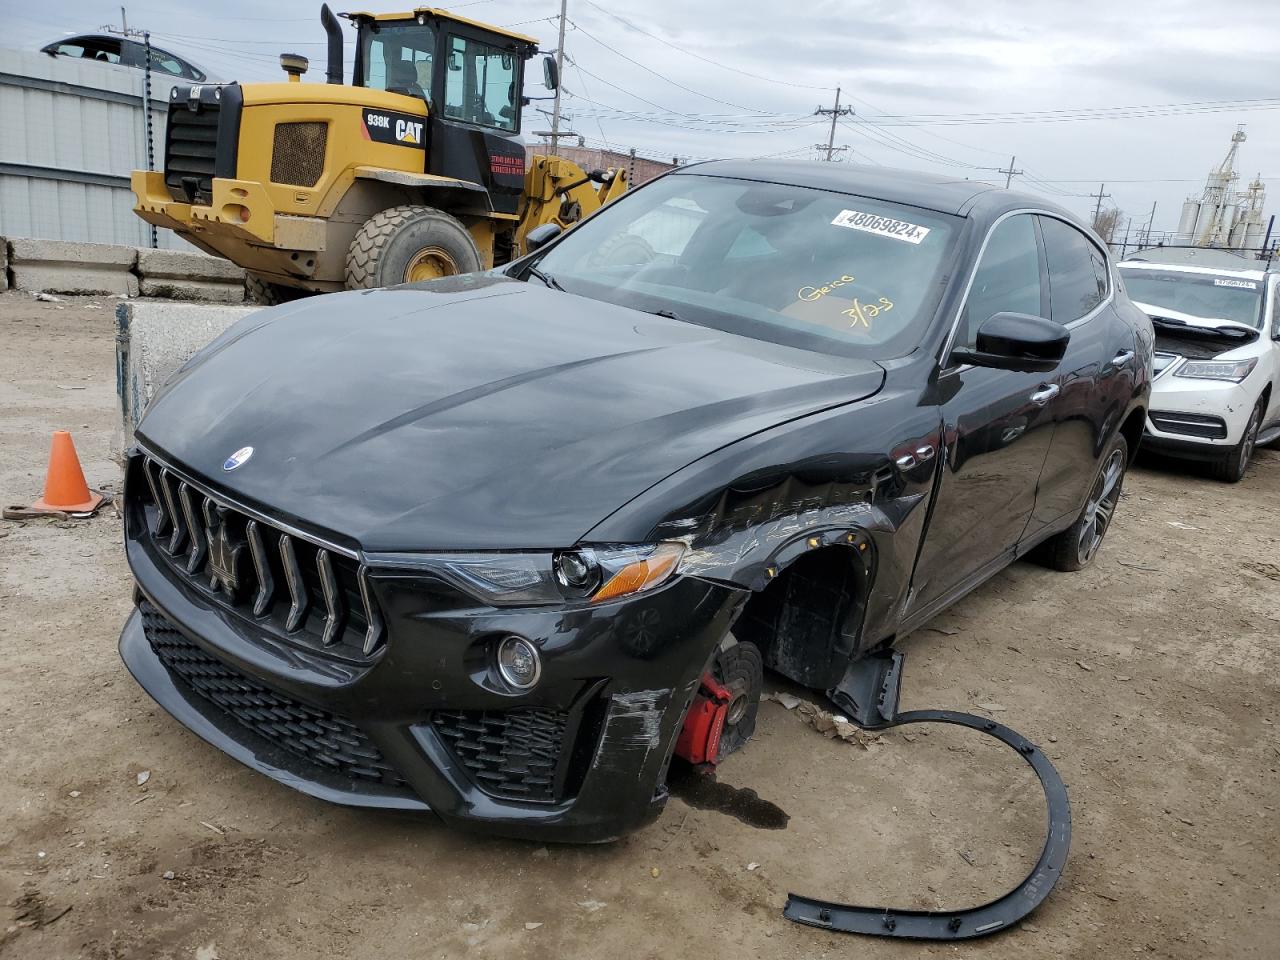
550,73
541,236
1017,341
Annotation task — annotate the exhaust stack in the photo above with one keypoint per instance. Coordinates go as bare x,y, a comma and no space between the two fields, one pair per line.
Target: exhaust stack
333,74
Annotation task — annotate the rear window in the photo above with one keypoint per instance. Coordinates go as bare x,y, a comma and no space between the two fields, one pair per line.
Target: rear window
810,268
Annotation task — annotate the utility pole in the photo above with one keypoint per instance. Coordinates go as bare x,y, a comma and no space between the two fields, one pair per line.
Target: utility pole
1101,196
145,36
1010,173
555,110
835,113
1151,222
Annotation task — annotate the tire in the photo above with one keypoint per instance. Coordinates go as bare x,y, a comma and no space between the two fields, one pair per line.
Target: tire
740,667
1231,468
269,294
1074,548
409,243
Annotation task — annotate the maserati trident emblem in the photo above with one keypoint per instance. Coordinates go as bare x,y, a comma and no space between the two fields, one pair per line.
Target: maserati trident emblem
237,459
224,555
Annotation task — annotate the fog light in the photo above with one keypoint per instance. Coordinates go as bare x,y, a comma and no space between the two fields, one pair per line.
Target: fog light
519,663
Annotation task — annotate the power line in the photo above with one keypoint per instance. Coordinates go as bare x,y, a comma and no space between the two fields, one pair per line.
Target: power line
663,77
1193,108
697,56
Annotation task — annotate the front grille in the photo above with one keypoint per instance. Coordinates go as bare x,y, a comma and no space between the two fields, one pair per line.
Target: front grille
511,754
1190,424
312,595
297,153
321,738
191,147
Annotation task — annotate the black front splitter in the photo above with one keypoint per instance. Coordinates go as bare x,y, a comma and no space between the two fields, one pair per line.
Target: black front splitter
869,693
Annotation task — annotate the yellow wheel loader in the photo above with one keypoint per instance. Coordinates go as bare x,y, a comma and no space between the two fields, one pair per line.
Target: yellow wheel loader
414,170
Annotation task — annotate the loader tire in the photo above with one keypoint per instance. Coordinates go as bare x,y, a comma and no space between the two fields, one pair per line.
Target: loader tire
408,244
269,294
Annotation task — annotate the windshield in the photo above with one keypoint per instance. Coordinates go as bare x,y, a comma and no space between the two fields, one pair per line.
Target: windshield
808,268
397,57
1201,295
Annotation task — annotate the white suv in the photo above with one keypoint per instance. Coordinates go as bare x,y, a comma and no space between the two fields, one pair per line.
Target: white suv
1216,392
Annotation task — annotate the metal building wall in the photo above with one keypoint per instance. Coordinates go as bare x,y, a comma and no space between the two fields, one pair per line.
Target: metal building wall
70,133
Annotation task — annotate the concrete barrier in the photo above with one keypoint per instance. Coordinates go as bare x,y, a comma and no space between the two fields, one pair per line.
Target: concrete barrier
178,275
154,339
62,266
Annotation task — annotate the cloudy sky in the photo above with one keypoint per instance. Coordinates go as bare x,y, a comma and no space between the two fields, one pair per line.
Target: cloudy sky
951,86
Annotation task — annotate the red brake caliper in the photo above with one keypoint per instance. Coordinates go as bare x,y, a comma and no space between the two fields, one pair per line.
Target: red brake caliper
699,740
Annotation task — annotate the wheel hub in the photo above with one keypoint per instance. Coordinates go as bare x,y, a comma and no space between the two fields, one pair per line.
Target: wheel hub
430,263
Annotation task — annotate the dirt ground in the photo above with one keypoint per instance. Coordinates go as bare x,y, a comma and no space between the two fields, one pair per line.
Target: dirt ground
1151,679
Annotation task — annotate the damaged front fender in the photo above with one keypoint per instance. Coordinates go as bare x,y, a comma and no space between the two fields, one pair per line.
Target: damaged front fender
752,509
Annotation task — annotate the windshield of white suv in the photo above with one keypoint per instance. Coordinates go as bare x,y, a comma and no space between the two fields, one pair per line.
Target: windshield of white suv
809,268
1201,295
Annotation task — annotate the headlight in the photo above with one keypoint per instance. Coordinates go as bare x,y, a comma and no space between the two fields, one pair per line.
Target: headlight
1233,370
590,574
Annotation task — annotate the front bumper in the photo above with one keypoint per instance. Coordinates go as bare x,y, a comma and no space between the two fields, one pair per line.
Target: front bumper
414,727
1173,399
240,223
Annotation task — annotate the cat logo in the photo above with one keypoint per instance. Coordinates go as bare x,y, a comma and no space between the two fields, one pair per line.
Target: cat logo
408,131
398,129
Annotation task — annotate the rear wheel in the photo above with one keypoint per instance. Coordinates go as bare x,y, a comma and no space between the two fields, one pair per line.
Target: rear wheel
409,244
1075,547
269,294
1231,468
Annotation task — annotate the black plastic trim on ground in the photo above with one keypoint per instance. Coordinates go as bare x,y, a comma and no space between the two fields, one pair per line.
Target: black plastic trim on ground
999,914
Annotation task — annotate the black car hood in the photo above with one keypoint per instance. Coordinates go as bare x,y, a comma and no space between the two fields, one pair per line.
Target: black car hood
479,412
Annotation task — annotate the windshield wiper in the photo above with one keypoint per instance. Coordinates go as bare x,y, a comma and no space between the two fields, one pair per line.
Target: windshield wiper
546,278
1232,332
668,314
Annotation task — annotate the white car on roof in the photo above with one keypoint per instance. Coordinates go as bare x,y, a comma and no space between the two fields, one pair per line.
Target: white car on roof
1216,391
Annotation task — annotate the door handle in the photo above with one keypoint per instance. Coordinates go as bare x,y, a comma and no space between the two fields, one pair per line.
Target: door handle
1046,393
1123,358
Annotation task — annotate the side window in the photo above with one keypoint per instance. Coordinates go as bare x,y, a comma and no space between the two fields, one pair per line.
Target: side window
398,59
102,50
1007,279
165,63
1275,310
480,84
91,48
1076,285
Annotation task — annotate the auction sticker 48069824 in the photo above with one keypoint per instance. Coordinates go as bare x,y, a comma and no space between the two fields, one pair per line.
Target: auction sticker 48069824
882,226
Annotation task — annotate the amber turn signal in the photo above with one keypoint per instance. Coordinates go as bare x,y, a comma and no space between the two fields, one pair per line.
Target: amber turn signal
642,574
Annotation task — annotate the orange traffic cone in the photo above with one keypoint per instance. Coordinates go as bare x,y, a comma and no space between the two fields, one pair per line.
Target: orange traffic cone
65,489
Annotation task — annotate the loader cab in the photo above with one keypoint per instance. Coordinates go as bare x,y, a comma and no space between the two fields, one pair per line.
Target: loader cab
471,78
466,73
